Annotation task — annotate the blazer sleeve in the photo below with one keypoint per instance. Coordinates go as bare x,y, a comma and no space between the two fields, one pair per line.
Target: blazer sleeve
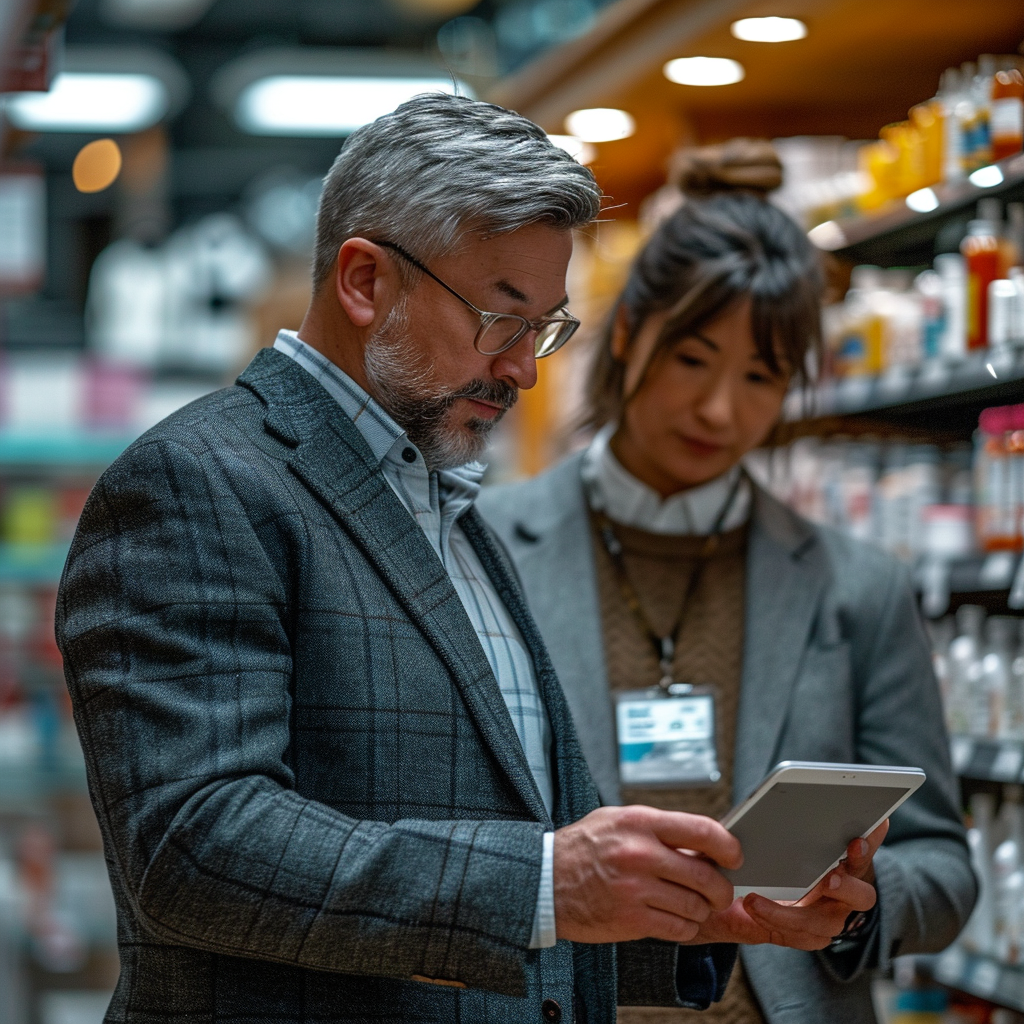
656,973
926,887
174,626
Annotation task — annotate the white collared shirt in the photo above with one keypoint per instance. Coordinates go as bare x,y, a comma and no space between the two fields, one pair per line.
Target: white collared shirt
624,499
436,500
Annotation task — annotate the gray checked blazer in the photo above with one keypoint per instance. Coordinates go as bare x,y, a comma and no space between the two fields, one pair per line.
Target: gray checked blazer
836,667
313,801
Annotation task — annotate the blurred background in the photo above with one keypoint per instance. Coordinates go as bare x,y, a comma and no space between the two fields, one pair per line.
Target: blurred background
160,166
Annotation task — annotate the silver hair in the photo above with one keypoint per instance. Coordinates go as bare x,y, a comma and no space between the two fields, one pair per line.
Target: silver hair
440,166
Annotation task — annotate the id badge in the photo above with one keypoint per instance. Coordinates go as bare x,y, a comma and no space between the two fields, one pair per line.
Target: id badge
666,740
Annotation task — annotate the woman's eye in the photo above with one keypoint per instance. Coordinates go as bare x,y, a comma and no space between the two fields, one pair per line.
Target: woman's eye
688,360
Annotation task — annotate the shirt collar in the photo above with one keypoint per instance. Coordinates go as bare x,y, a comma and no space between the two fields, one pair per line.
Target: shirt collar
386,439
627,500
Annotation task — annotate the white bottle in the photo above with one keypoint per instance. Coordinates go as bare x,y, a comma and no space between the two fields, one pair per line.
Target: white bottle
952,271
1001,635
964,663
979,931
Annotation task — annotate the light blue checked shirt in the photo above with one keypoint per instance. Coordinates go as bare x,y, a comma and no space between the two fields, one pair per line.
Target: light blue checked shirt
435,501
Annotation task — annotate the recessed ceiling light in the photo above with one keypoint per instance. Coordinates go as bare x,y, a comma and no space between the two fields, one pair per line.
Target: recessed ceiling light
91,102
986,177
704,71
600,124
326,105
582,151
827,235
769,30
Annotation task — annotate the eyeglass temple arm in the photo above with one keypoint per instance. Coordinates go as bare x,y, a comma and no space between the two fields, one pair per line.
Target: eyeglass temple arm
409,258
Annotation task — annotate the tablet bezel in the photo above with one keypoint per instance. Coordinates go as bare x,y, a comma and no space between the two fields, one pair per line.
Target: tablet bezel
896,777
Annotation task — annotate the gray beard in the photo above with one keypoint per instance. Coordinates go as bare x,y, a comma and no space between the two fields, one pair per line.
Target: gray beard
402,381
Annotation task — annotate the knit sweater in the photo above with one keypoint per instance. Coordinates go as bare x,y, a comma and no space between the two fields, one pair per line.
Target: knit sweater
709,651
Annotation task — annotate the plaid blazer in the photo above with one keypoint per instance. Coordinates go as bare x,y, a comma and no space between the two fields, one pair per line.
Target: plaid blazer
313,802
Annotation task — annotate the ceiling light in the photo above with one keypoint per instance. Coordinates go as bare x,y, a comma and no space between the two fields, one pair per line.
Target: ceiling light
579,150
91,102
704,71
986,177
325,105
600,124
769,30
924,200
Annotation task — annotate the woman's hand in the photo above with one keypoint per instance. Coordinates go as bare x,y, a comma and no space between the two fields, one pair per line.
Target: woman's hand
813,921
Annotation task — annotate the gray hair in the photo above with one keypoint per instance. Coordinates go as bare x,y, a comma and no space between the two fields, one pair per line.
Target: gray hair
439,166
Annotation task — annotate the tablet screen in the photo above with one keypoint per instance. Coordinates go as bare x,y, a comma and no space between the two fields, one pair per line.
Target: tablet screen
797,829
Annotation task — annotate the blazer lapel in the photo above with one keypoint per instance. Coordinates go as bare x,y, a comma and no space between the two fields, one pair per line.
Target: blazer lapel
574,789
334,461
785,582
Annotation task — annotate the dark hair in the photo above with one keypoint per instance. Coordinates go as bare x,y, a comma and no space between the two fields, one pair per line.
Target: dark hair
711,253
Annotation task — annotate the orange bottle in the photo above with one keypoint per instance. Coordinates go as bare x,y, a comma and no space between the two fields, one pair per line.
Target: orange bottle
981,252
1006,120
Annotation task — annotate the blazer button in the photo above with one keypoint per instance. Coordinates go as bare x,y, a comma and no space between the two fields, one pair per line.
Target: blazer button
550,1010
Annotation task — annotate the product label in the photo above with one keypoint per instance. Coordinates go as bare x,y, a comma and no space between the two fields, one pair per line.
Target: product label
1007,118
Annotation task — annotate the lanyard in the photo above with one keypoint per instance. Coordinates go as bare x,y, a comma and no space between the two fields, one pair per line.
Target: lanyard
664,646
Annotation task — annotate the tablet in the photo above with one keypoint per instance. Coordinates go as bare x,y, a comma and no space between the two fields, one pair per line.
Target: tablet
795,827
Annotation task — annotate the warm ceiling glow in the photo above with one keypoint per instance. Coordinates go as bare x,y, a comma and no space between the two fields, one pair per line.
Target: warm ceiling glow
704,71
827,235
97,166
326,105
769,30
600,124
582,151
87,102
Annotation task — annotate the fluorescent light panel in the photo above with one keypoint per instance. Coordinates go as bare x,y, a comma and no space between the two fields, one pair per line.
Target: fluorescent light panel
769,30
705,71
310,105
91,102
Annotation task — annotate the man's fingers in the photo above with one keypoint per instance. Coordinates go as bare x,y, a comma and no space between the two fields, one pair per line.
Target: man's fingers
860,852
670,928
702,835
799,927
692,872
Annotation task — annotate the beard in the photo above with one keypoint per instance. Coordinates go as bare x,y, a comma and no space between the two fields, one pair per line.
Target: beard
403,382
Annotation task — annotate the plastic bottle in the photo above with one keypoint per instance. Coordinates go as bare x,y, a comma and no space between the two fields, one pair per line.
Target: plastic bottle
1002,297
1016,278
861,349
928,290
952,270
981,252
952,137
963,664
1006,118
967,115
978,934
993,510
981,89
1001,632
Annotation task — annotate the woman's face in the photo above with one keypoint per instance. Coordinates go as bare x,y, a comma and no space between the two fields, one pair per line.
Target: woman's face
706,400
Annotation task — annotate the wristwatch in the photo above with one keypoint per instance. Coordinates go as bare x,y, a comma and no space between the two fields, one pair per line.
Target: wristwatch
858,927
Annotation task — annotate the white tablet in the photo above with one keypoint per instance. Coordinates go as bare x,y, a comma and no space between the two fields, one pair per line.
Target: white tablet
795,827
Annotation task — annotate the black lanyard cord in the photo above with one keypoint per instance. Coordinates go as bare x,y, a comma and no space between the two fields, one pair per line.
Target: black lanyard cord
664,646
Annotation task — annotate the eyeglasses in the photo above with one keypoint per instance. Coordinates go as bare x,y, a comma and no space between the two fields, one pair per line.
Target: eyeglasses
498,332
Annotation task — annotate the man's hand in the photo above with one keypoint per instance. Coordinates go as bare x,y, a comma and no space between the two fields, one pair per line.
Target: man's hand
810,923
625,873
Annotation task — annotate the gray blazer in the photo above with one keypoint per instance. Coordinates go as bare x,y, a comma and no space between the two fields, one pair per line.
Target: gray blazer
312,797
836,667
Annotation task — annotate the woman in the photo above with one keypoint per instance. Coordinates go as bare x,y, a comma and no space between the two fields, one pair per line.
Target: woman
653,560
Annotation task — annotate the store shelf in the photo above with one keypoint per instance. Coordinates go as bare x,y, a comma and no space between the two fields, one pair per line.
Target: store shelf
897,234
983,377
981,976
32,563
987,760
93,450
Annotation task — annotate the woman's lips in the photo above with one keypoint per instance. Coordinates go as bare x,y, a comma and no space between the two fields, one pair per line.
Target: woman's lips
701,448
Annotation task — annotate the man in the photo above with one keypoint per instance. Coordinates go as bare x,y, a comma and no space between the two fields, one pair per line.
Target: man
335,774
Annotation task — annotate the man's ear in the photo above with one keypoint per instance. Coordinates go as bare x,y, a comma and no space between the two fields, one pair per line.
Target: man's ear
620,335
357,280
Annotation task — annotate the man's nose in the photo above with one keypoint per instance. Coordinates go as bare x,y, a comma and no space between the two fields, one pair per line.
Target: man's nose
518,365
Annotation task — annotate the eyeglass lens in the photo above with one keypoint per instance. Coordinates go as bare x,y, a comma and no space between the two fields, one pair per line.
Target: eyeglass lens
499,333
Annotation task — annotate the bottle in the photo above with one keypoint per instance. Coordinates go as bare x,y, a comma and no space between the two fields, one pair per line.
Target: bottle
967,115
993,511
981,89
927,119
952,137
978,934
928,289
981,252
952,270
1002,297
1015,233
1001,632
1016,278
963,664
1006,118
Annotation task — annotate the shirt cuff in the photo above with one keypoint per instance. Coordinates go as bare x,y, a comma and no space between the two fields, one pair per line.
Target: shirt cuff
543,934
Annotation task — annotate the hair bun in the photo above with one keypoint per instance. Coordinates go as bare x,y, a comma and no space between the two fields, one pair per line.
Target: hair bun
739,165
